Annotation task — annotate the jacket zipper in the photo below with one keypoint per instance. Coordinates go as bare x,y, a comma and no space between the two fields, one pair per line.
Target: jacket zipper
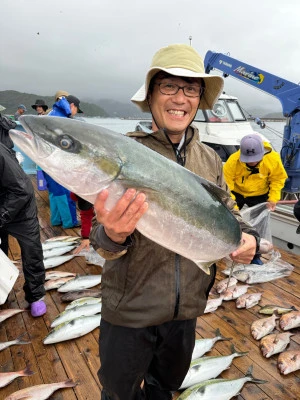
177,285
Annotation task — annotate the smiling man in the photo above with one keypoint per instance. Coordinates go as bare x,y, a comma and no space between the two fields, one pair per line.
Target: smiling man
151,296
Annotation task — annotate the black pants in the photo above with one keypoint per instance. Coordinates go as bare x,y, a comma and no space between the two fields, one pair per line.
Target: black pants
249,201
28,236
159,355
297,210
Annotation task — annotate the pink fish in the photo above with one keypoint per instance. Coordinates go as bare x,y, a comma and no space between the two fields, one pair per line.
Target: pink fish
222,285
213,304
248,300
288,361
8,377
40,392
263,326
235,291
290,320
56,283
9,312
275,343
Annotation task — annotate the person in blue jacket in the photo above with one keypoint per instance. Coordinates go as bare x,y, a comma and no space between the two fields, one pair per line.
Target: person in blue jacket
62,207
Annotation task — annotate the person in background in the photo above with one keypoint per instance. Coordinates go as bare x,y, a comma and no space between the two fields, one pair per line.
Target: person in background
62,207
18,218
40,107
86,211
20,111
5,125
297,214
255,173
151,297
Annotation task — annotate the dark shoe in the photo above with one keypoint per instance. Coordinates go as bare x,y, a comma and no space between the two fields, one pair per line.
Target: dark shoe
38,308
256,260
298,230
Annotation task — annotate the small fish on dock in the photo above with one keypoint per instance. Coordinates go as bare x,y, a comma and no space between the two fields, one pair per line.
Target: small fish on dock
248,300
274,343
235,291
57,251
263,326
76,312
288,361
53,262
76,295
83,301
7,377
270,308
58,274
81,282
290,320
9,312
222,285
40,392
57,283
213,304
202,346
18,340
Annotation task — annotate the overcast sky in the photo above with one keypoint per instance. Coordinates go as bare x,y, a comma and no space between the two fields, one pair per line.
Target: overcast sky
102,48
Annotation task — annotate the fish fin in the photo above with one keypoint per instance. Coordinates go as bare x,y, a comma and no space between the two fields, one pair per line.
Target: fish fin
205,266
27,370
70,383
251,377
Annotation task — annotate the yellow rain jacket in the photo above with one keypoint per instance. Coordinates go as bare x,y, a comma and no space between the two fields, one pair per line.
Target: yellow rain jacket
271,176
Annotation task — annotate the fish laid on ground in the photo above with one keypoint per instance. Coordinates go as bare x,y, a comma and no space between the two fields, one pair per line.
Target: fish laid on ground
235,291
9,312
205,368
81,282
270,308
263,326
57,283
63,239
213,304
186,212
275,343
56,261
57,244
218,389
290,320
18,340
76,312
57,251
7,377
288,361
58,274
40,392
71,296
73,329
202,346
248,300
222,285
262,276
83,302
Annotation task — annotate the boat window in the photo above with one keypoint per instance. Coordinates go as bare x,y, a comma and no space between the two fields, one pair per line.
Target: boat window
219,113
224,151
236,111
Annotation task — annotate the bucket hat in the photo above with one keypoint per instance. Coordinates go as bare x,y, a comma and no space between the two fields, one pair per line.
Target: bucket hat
40,103
252,149
181,60
60,93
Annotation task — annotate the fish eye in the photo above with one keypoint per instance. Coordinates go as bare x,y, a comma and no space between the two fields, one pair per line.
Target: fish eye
65,142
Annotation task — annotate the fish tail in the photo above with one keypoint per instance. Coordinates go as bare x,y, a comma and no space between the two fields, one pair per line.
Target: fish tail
251,377
220,336
70,383
27,370
238,353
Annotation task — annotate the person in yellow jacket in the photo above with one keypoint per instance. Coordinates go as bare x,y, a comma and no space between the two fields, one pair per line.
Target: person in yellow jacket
255,173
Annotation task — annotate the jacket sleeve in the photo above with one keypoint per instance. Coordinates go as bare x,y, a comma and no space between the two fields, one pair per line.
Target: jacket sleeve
7,123
16,192
229,170
277,178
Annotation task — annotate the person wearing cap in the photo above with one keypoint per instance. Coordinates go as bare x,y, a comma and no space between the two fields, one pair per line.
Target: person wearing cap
297,215
151,297
40,107
255,173
20,111
62,207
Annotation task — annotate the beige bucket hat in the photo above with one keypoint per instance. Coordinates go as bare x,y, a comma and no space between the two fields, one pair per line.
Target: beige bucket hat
181,60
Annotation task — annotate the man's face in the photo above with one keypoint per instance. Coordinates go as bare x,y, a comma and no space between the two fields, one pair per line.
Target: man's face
39,110
21,111
74,109
173,112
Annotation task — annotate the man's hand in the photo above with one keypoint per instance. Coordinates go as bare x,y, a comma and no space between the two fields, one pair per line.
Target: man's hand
121,221
271,205
245,253
84,245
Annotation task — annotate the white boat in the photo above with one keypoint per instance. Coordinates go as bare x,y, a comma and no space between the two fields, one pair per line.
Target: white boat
222,129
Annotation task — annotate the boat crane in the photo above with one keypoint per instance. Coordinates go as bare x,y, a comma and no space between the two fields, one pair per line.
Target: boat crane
288,93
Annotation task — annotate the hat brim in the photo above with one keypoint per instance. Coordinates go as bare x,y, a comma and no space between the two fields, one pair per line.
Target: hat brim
45,107
213,87
79,111
254,158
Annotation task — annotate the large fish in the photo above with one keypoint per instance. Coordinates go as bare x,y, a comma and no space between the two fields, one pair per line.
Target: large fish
218,389
205,368
81,282
186,213
40,392
76,312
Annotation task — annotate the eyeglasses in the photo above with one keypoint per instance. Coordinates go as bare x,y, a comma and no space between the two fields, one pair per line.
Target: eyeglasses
171,88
